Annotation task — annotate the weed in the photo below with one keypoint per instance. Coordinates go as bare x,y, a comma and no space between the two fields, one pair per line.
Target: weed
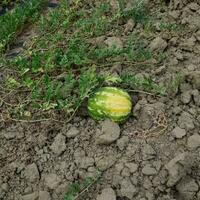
12,22
78,188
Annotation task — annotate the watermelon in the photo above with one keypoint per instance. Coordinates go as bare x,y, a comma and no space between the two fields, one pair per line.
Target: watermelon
110,102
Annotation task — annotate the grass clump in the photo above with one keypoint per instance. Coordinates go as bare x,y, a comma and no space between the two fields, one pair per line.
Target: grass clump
13,21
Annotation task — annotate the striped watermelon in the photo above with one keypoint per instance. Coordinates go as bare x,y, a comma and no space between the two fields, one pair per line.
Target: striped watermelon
110,102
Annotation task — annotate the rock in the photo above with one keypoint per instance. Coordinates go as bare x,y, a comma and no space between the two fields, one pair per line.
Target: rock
148,152
193,6
122,142
178,167
174,14
178,132
105,163
32,196
194,78
186,121
186,97
149,170
52,181
107,194
193,141
187,188
58,146
198,35
158,44
85,162
72,132
147,113
128,190
114,41
31,173
188,44
191,67
111,132
196,97
132,167
129,26
9,135
43,195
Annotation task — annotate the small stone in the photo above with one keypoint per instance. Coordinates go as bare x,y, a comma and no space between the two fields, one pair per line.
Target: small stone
178,132
132,167
194,141
158,44
149,170
196,97
186,121
32,196
187,188
186,97
128,190
72,132
174,14
178,167
129,26
188,44
9,135
194,6
52,181
105,163
85,162
122,142
148,152
191,67
114,41
194,78
107,194
31,173
43,195
58,146
111,132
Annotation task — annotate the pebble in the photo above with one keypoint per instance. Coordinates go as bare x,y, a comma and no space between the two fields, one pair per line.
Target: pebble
52,181
110,132
158,44
149,170
148,152
107,194
128,189
178,167
72,132
122,142
187,188
58,146
132,167
186,97
193,141
43,195
32,196
31,173
105,163
186,121
178,132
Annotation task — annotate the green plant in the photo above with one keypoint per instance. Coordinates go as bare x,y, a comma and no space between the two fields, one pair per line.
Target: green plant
60,68
12,22
78,188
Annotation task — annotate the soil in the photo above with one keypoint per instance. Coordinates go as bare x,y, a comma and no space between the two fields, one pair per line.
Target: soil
154,155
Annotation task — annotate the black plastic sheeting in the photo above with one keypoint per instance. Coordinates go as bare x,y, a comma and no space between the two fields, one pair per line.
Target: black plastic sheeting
6,8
